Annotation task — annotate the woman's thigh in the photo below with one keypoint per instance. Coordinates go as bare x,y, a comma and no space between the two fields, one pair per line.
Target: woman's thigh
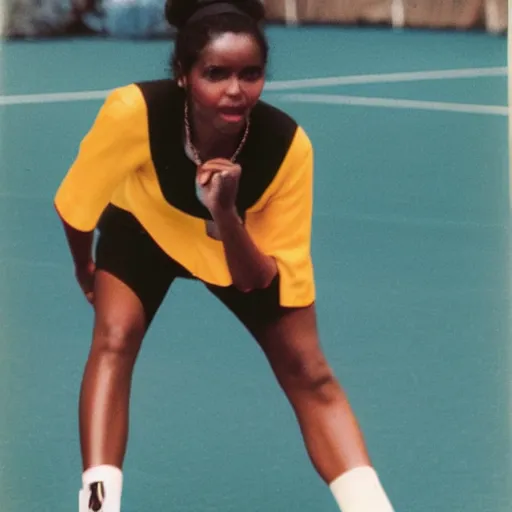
286,335
130,264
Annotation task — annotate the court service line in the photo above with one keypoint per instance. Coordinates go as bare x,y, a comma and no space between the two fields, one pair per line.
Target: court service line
279,85
333,99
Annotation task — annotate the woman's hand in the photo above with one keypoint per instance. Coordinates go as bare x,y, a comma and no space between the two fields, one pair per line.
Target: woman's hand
217,185
85,277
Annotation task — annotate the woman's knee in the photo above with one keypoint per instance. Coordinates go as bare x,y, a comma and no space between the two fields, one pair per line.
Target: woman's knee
312,376
117,340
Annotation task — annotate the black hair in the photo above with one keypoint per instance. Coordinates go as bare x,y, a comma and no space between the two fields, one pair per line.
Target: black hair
193,35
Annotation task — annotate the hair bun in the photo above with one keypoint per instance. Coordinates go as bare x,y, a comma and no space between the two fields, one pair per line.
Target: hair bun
178,12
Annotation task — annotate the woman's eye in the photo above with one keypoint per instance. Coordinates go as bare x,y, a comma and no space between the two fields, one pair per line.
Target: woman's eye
252,74
215,73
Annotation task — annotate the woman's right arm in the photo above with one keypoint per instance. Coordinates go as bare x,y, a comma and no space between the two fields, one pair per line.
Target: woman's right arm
80,245
115,146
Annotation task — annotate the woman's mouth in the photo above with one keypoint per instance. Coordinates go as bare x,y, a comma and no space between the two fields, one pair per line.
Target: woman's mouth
233,114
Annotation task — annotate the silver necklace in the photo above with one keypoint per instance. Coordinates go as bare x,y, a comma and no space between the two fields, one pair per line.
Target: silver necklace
193,149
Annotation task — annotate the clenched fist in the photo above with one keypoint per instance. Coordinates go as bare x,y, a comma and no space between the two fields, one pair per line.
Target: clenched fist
217,184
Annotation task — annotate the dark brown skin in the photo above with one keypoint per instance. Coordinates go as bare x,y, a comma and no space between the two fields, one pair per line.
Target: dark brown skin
331,434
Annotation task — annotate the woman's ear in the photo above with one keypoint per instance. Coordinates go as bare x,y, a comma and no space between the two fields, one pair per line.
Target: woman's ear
181,77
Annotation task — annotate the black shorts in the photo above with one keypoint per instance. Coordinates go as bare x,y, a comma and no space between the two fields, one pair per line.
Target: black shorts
125,250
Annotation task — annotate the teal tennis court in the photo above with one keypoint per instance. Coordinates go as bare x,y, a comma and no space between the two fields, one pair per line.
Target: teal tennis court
411,251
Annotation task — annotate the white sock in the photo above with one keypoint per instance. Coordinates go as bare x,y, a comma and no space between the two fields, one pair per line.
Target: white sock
112,480
360,490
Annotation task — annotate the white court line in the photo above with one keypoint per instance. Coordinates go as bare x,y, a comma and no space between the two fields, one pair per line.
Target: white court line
57,97
333,99
280,85
384,78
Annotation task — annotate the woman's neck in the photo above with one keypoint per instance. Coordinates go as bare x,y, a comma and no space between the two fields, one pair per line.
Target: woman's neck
211,142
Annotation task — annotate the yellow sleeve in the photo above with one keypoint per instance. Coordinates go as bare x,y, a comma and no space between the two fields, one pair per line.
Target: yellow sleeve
281,223
116,145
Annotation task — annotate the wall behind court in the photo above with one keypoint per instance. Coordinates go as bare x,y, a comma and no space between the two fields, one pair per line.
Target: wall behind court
491,15
144,18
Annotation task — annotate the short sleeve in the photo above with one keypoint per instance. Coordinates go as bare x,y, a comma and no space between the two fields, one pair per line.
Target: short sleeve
115,146
282,222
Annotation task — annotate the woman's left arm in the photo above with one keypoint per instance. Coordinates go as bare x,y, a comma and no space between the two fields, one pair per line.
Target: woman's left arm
249,267
279,226
280,223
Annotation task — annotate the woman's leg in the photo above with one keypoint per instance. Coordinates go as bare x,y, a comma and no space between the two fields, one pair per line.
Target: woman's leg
331,433
105,392
328,424
119,328
132,278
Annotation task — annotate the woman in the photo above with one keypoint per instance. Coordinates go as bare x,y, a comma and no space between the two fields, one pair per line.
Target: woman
197,178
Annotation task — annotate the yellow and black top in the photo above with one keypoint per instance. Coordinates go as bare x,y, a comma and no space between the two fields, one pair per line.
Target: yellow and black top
134,158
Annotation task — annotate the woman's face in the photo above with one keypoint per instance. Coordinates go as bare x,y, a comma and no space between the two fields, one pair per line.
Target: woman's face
227,81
